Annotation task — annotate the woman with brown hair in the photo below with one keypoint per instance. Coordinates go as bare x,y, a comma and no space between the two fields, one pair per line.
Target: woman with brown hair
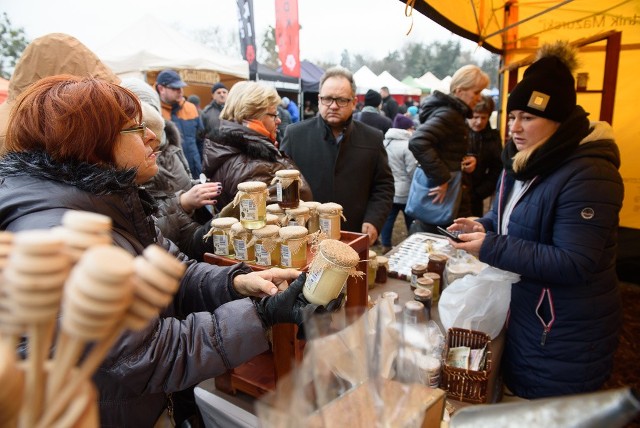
79,144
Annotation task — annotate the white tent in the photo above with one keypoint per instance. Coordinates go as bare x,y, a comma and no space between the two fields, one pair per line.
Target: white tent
431,81
150,45
395,86
366,79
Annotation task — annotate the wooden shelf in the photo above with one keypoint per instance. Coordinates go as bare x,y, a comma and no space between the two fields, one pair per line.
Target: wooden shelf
261,374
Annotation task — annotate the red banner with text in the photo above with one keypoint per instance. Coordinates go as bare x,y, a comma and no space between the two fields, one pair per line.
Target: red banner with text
287,36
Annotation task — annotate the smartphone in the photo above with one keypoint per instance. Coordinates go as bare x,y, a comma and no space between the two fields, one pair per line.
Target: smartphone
453,234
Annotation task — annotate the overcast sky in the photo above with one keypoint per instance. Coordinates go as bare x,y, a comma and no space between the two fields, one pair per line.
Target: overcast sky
369,27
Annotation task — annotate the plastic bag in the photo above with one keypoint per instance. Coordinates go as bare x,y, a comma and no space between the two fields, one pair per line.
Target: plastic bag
478,302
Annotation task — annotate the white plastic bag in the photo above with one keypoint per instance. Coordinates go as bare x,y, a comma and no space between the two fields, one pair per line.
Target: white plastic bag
478,302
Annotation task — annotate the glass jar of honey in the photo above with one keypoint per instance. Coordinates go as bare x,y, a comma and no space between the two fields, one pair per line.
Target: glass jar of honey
334,262
313,224
437,264
220,229
287,188
329,218
273,219
252,198
267,245
293,246
372,268
417,270
383,268
297,216
274,209
242,243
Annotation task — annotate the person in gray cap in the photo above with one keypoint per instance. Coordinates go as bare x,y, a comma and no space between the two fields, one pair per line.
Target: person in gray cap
184,115
211,113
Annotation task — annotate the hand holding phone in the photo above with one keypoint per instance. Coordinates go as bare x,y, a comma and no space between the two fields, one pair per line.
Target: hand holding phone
453,234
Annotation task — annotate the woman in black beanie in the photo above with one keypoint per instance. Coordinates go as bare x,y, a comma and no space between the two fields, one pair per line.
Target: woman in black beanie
554,222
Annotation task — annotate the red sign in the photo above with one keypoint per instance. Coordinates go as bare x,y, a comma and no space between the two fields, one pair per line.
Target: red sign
287,36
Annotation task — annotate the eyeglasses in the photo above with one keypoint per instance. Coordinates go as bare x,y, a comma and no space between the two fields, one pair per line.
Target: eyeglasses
341,102
275,116
138,128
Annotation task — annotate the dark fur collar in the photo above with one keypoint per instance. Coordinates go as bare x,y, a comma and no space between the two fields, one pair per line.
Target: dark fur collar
247,141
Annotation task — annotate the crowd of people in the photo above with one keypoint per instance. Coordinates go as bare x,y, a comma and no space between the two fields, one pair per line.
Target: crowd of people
162,167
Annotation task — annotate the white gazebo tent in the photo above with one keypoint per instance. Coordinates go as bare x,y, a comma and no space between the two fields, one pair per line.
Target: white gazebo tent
397,87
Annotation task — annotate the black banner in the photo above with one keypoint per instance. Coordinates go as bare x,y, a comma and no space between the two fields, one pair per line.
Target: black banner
247,34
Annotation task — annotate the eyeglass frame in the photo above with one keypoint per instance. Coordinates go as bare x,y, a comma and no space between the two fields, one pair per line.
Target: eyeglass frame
142,127
345,101
275,116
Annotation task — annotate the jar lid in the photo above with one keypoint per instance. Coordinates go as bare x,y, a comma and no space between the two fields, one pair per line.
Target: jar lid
274,209
288,173
266,232
273,219
382,260
252,186
422,293
223,222
420,267
310,204
239,229
330,208
432,275
372,254
297,211
339,253
412,305
289,232
438,258
424,281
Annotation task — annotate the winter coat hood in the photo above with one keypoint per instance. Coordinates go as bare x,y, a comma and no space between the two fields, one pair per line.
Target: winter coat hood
438,100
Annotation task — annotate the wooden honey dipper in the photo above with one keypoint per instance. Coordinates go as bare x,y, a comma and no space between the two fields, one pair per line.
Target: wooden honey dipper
10,329
81,230
12,381
157,277
96,296
34,278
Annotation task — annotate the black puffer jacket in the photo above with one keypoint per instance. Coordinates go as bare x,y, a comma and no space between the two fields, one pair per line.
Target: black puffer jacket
206,330
241,154
440,141
186,230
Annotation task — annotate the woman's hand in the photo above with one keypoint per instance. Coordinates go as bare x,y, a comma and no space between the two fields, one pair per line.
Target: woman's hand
472,236
200,195
439,193
468,164
265,282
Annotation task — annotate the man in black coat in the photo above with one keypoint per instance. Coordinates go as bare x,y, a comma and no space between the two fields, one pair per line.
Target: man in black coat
370,113
344,161
389,104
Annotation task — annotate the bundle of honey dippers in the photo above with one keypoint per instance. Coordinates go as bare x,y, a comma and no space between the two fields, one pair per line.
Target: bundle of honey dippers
66,295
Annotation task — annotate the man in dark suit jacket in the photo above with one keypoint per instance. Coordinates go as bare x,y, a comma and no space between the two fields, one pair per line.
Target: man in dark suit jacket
344,161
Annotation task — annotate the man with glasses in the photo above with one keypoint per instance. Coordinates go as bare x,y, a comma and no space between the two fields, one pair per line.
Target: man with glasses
184,115
343,160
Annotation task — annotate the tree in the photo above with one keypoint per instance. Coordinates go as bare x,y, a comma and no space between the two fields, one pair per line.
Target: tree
12,43
269,53
226,42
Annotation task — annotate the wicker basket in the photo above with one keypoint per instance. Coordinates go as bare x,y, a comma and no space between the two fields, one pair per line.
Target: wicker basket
462,384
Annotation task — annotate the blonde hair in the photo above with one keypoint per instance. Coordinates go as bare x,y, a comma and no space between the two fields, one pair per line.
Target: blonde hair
468,77
522,157
249,100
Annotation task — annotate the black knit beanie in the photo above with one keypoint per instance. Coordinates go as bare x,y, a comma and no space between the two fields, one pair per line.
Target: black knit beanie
547,89
372,98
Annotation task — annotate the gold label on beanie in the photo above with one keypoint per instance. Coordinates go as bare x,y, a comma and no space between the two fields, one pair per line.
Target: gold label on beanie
538,100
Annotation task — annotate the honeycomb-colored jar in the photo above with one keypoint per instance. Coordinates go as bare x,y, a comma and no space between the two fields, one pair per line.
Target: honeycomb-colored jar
313,224
267,245
220,230
243,245
252,198
275,209
297,216
329,219
293,246
372,267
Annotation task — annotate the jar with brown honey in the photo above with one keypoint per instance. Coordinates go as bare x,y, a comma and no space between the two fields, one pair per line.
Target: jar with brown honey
287,188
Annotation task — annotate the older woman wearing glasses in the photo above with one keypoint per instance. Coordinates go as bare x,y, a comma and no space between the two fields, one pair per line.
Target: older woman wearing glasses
245,149
80,143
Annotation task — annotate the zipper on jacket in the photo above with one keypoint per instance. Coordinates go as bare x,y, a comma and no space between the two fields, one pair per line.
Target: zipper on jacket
546,327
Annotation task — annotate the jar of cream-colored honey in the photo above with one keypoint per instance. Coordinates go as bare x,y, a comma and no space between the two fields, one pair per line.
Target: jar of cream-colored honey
329,219
313,224
252,198
334,262
267,245
293,246
243,244
287,188
220,230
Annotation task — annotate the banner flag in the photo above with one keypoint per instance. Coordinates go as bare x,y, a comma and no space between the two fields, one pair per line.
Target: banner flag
287,36
247,35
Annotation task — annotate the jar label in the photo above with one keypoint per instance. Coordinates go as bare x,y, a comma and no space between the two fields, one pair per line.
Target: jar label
263,257
221,245
414,280
285,256
248,209
279,191
313,278
325,225
241,249
293,222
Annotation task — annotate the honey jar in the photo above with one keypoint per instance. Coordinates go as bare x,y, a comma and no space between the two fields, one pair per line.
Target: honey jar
329,218
372,268
297,216
273,219
274,209
334,262
417,270
437,264
243,245
293,246
287,188
220,230
383,268
423,296
267,245
313,223
252,198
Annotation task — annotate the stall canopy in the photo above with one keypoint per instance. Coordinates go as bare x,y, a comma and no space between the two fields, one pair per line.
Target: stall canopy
275,78
395,86
607,33
149,46
366,79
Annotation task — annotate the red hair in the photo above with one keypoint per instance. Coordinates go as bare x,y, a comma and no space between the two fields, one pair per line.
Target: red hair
71,118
